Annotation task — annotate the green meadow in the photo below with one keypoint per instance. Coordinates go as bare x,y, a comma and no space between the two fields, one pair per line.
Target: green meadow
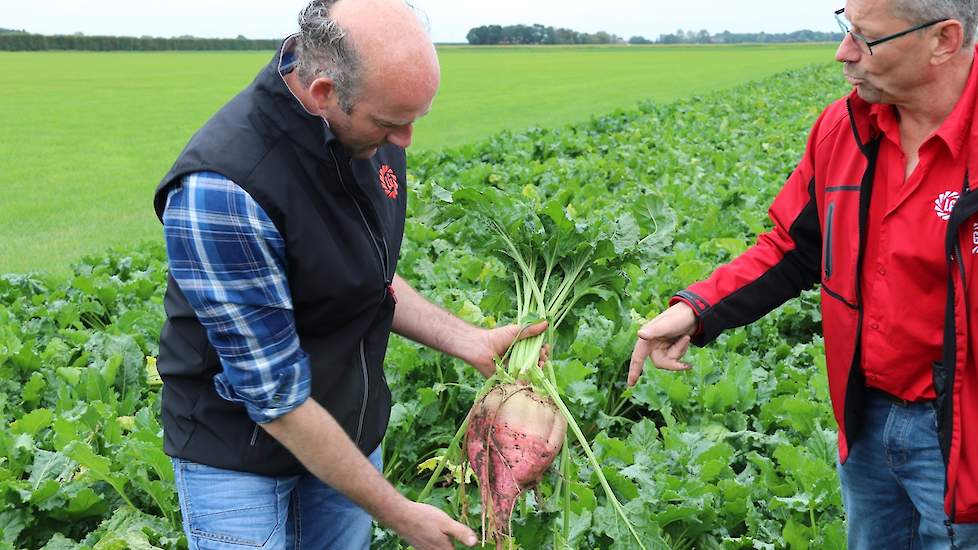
85,137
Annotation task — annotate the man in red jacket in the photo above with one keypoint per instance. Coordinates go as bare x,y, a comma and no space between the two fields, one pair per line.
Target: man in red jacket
880,212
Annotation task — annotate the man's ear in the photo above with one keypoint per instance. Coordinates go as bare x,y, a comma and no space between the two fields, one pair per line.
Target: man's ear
322,91
949,39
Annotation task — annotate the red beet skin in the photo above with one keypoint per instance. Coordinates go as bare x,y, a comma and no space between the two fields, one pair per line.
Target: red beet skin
514,436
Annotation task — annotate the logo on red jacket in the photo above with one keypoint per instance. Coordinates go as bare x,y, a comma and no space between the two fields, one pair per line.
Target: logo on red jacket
388,181
974,238
945,203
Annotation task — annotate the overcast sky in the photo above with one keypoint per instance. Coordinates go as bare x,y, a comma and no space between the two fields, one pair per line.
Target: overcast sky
450,19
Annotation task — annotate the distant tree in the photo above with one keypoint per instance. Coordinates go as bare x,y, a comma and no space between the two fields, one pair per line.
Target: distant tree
639,40
535,34
476,36
566,36
670,38
486,34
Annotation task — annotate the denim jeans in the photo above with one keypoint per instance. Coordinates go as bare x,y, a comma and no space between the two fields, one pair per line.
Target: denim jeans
893,482
229,510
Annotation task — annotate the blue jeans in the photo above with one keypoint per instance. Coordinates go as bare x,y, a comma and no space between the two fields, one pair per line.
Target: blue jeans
229,510
893,482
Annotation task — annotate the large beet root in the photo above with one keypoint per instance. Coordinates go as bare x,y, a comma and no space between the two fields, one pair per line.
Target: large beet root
514,436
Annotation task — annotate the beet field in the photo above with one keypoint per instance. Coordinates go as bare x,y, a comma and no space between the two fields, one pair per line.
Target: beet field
80,154
628,205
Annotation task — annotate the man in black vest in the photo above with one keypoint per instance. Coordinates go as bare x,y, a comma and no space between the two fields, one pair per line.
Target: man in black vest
283,219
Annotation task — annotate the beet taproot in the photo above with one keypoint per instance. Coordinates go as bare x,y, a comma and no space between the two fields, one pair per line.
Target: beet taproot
514,435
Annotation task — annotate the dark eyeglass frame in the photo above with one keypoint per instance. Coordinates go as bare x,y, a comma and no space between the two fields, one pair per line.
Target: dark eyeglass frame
870,43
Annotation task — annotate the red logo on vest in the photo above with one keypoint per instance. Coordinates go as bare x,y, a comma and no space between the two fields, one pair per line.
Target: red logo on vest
388,181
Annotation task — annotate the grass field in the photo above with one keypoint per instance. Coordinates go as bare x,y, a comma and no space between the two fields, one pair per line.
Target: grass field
86,136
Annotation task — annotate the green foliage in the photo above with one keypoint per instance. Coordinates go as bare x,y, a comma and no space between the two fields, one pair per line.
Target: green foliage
739,452
82,464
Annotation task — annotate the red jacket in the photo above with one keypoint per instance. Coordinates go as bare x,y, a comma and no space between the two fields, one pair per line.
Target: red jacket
819,237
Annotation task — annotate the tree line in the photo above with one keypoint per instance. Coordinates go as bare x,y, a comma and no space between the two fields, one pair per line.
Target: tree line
19,40
727,37
540,34
22,41
535,34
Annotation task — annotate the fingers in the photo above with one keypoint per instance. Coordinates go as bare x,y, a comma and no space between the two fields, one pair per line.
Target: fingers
460,532
531,330
544,355
665,355
668,358
432,529
642,350
679,348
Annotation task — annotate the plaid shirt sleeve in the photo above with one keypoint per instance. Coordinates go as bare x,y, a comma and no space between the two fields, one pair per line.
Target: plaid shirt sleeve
229,260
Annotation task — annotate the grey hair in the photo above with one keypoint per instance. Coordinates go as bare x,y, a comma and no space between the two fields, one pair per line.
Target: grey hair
323,49
922,11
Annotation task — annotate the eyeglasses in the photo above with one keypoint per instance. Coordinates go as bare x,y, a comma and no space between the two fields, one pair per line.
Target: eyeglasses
864,43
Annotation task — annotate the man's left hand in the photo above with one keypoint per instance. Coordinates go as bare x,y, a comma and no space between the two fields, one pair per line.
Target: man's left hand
496,341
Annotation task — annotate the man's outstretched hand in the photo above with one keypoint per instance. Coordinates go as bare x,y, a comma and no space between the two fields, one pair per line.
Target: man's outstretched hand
664,340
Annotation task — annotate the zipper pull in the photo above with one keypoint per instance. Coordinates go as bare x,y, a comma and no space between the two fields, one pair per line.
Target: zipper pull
391,293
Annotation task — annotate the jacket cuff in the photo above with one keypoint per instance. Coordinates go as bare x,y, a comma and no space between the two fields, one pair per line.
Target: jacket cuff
699,306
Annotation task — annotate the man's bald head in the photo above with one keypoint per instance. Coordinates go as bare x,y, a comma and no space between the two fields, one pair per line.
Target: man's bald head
361,43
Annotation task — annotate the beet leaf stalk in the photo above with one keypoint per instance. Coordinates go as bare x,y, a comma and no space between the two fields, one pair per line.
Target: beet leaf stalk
573,284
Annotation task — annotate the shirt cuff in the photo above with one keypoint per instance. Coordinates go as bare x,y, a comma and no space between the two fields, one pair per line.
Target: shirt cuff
291,388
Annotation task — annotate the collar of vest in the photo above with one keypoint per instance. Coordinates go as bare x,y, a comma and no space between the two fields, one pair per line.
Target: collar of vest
285,112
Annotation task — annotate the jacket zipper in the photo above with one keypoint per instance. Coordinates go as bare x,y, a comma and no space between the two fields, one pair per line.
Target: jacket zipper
852,400
254,435
829,217
949,382
950,373
388,288
366,392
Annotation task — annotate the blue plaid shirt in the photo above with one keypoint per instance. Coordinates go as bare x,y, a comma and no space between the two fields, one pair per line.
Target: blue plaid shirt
229,260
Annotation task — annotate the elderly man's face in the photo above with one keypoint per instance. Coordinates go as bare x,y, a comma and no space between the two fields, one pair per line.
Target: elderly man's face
895,67
383,112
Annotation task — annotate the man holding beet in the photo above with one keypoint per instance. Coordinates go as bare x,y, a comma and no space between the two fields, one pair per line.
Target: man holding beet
283,220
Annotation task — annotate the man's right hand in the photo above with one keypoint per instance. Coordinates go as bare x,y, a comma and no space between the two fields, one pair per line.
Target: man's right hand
427,528
665,340
341,465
